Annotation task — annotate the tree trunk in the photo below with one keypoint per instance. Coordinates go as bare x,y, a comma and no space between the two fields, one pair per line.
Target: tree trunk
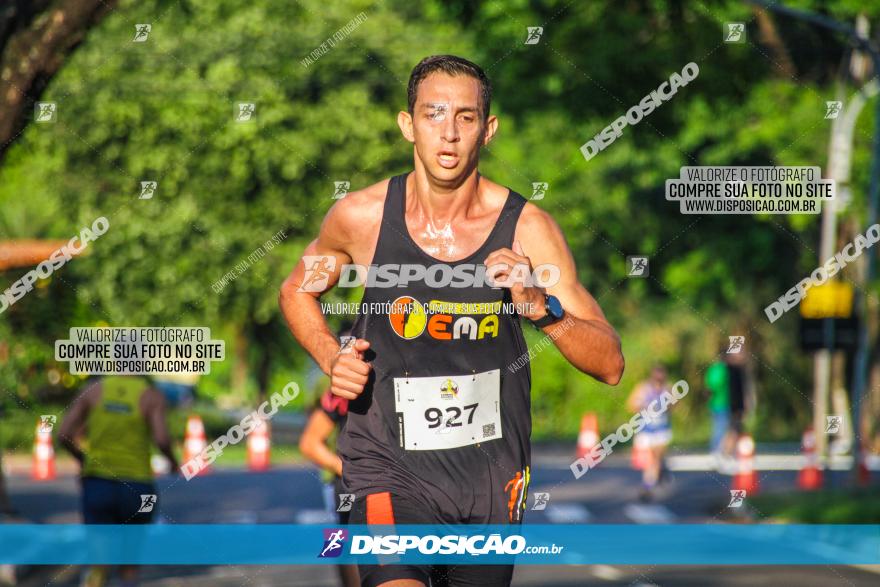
36,36
769,37
869,430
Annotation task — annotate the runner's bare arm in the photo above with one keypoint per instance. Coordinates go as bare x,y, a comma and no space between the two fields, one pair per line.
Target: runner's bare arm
588,341
350,225
313,442
635,400
75,420
301,291
154,409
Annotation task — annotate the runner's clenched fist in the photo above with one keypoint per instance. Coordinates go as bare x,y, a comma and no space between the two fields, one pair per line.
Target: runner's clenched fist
513,269
349,372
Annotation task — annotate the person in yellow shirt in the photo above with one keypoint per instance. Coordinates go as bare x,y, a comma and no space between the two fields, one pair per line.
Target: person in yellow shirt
122,417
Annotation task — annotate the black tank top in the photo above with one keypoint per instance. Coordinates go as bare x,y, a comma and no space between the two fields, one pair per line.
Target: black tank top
456,342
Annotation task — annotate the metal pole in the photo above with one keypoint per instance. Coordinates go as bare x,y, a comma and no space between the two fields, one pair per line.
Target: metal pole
860,375
822,358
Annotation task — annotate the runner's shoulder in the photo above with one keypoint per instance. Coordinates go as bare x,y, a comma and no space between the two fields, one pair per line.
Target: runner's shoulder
359,210
537,225
91,393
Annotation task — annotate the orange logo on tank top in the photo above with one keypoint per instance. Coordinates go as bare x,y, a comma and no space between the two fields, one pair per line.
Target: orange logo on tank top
409,319
517,488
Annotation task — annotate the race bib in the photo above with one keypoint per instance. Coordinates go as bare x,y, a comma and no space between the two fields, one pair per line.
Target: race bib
438,413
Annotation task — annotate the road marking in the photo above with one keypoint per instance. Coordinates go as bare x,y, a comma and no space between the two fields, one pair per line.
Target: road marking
771,462
649,513
607,572
314,517
237,517
568,513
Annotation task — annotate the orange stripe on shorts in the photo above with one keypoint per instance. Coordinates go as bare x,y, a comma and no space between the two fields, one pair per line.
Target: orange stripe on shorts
379,510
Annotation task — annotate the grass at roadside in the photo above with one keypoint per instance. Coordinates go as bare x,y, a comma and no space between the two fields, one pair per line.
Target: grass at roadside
851,506
236,456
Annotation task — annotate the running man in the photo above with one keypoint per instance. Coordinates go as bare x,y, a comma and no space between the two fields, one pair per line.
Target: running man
657,433
317,444
439,419
123,415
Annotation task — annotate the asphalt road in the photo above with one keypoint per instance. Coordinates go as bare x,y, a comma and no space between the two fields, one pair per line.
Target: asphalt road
292,495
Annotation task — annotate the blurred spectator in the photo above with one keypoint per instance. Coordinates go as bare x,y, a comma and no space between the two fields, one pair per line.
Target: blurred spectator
657,432
122,416
6,508
7,572
318,445
742,398
718,384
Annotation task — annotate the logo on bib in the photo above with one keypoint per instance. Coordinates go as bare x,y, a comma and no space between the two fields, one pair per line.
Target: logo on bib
449,390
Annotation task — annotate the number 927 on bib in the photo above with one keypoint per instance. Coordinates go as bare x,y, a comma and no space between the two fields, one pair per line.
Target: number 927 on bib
438,413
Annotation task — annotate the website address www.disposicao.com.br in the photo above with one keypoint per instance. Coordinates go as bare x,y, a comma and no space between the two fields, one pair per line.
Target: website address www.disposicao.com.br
449,544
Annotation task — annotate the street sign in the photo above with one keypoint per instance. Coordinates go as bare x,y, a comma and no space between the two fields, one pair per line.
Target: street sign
832,299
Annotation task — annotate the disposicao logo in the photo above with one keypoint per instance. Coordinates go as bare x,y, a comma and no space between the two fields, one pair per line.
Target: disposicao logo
334,539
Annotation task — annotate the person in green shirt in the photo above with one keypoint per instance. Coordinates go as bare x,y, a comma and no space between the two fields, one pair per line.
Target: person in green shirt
717,382
121,417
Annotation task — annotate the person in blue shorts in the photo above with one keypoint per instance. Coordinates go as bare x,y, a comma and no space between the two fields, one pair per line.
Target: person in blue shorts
657,433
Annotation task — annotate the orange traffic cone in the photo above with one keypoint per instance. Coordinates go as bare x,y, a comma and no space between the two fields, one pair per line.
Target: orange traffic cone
810,476
641,454
258,446
44,453
745,478
194,442
589,436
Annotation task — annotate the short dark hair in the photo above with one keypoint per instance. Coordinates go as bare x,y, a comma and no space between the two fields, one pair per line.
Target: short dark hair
451,65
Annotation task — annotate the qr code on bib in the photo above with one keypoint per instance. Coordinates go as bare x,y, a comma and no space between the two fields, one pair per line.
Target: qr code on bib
488,430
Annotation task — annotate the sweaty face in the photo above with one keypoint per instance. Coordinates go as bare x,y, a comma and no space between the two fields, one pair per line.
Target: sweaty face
448,125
